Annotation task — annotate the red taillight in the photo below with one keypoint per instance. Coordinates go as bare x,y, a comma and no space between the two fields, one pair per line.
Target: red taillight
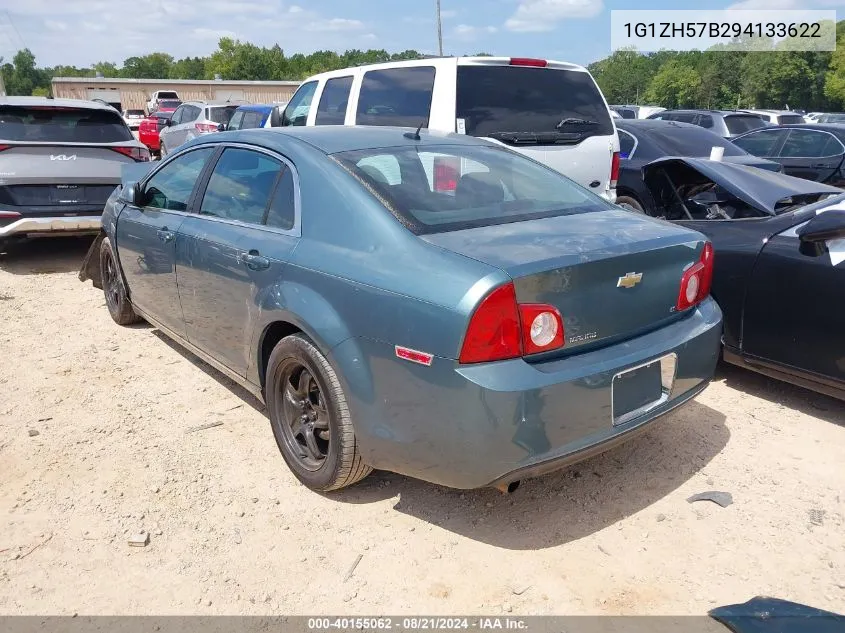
528,61
614,170
203,128
446,173
5,215
493,332
139,154
500,328
696,280
3,148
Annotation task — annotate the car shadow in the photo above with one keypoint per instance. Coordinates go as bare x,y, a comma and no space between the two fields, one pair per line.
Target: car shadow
220,377
569,504
45,255
804,400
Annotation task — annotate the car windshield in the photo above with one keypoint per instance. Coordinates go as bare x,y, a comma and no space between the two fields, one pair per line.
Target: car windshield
220,114
433,189
62,125
522,100
677,140
169,103
739,123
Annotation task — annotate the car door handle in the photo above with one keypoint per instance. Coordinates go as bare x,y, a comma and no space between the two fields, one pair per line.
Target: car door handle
165,236
254,261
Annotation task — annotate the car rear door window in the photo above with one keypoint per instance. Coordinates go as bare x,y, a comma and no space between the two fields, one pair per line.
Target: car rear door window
524,100
241,185
806,144
282,211
626,145
396,96
252,120
705,121
171,186
685,117
762,143
739,123
218,114
236,120
296,112
332,107
62,125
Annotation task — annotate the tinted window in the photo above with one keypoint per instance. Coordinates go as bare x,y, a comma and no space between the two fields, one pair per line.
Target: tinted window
789,119
396,96
684,117
62,125
241,186
332,108
164,94
236,120
738,123
296,112
282,212
252,119
805,144
762,143
219,114
171,186
765,117
444,188
177,115
626,144
682,140
705,121
626,113
134,113
167,103
519,99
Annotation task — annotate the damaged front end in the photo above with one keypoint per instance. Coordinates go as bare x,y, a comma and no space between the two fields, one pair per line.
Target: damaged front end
701,189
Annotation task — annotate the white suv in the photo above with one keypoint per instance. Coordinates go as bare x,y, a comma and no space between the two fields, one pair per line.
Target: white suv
550,111
160,95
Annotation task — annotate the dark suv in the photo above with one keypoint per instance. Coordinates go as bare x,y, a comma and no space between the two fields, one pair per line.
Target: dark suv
725,123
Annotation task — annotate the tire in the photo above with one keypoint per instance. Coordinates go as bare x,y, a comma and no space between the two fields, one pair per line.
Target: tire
631,204
162,152
302,393
117,301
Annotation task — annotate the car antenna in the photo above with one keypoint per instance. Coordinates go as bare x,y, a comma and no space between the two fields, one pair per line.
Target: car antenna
414,136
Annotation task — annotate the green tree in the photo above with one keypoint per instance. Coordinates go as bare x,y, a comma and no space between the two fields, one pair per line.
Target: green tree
624,76
188,68
22,76
151,66
676,85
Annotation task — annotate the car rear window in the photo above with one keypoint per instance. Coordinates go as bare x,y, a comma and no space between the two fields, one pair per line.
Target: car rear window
220,114
738,123
436,188
163,94
788,119
134,113
518,99
62,125
169,103
677,140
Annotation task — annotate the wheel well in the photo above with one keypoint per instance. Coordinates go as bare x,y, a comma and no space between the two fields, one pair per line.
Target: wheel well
274,333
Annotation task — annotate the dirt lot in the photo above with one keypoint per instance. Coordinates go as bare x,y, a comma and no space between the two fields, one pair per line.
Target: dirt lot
233,532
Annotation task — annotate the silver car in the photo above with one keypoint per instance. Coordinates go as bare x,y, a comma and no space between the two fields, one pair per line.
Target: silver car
193,119
60,160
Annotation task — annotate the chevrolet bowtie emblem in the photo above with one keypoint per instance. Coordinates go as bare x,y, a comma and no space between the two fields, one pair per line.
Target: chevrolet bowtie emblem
629,280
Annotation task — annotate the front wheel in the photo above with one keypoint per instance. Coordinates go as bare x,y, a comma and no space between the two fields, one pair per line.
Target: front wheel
117,300
631,204
310,417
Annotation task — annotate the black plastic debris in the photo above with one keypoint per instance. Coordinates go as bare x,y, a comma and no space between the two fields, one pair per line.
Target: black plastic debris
772,615
724,499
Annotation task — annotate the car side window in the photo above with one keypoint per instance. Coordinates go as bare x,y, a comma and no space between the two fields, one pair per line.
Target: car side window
241,186
177,116
332,107
237,119
171,186
626,145
282,211
685,117
762,143
804,144
396,96
296,112
251,119
706,121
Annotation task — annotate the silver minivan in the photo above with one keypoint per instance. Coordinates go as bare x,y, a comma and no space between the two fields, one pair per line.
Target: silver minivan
549,110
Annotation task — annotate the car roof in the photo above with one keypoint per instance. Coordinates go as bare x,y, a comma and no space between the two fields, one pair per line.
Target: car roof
331,139
838,128
654,124
56,103
235,102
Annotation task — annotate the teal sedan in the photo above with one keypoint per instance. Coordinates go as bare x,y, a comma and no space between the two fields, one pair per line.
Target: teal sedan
430,304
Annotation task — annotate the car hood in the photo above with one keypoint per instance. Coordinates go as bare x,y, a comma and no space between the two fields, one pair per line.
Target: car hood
759,188
753,161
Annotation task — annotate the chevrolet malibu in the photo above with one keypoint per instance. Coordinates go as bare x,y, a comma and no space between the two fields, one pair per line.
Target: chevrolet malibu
433,305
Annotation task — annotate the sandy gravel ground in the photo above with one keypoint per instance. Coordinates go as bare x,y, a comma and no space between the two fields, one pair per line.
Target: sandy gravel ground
233,532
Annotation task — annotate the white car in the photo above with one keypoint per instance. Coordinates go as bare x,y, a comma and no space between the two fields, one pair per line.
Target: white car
160,95
133,118
192,119
551,111
778,117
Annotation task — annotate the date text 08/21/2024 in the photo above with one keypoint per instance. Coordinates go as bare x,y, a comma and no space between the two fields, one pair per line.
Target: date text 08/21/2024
415,624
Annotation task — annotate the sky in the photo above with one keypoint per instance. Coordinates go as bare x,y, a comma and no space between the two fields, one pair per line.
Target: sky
82,32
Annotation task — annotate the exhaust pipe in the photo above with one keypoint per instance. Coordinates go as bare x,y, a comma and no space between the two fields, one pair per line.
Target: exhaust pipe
507,489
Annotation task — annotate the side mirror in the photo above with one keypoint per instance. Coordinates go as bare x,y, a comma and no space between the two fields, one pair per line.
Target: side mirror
130,194
168,122
829,225
221,127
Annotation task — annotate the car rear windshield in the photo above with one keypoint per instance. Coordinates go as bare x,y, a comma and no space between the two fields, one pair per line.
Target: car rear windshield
167,95
787,119
521,99
690,141
134,113
169,103
739,123
220,114
62,125
432,189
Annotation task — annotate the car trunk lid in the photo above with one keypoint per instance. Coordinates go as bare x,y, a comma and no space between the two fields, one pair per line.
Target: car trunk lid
611,274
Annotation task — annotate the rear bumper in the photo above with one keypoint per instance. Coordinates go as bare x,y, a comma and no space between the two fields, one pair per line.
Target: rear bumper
70,224
476,425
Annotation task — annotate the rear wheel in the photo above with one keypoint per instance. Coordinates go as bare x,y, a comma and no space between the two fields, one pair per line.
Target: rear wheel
162,151
632,204
117,300
310,418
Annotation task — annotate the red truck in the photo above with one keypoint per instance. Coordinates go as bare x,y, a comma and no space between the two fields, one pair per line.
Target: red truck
148,131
